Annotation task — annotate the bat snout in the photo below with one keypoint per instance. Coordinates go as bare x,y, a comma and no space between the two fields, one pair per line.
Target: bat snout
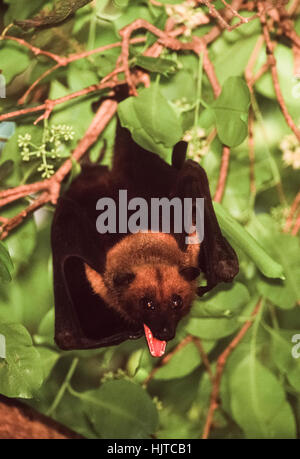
165,334
164,331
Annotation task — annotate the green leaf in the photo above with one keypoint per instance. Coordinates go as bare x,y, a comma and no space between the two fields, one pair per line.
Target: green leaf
22,241
45,333
110,10
21,9
238,197
46,327
248,244
78,113
120,409
106,62
285,248
151,120
212,329
48,358
240,34
171,422
121,3
18,303
11,151
103,150
160,23
285,69
224,301
6,169
62,10
283,294
6,264
281,352
180,87
233,60
231,111
156,65
21,373
14,60
216,328
135,10
11,308
80,75
258,402
171,2
64,413
75,171
183,362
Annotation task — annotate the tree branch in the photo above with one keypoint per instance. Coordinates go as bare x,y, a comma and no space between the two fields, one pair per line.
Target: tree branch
223,175
19,421
221,362
273,67
52,186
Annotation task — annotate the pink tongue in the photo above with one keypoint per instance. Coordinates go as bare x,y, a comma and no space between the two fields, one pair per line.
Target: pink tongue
156,347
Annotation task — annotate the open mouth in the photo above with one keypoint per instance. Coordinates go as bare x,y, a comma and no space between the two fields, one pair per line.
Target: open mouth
156,347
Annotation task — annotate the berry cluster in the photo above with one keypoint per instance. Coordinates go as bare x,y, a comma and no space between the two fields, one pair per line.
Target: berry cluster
198,147
290,148
187,13
50,148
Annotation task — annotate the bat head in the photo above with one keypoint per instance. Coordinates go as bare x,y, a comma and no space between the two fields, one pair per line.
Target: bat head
157,296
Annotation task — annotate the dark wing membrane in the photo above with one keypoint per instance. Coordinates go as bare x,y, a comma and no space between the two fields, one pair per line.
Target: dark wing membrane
82,319
217,258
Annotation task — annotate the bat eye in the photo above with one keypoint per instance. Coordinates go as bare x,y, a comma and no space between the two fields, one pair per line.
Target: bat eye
147,303
176,301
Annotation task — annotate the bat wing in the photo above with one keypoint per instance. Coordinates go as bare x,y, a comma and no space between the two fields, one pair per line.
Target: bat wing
82,319
217,258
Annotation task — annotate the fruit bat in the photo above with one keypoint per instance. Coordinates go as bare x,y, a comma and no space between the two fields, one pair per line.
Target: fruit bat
117,285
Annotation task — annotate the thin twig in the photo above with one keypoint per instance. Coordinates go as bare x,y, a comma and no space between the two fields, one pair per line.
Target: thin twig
235,12
274,73
296,228
221,362
223,175
294,8
251,151
291,216
15,221
73,58
61,60
49,104
205,360
252,61
215,14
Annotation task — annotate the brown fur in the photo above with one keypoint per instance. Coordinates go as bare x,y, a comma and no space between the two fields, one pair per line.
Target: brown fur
155,260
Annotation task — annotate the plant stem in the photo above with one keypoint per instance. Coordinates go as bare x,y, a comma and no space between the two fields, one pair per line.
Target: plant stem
63,387
199,89
273,165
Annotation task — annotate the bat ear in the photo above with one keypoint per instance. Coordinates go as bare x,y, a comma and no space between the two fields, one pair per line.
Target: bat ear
190,273
123,279
179,154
